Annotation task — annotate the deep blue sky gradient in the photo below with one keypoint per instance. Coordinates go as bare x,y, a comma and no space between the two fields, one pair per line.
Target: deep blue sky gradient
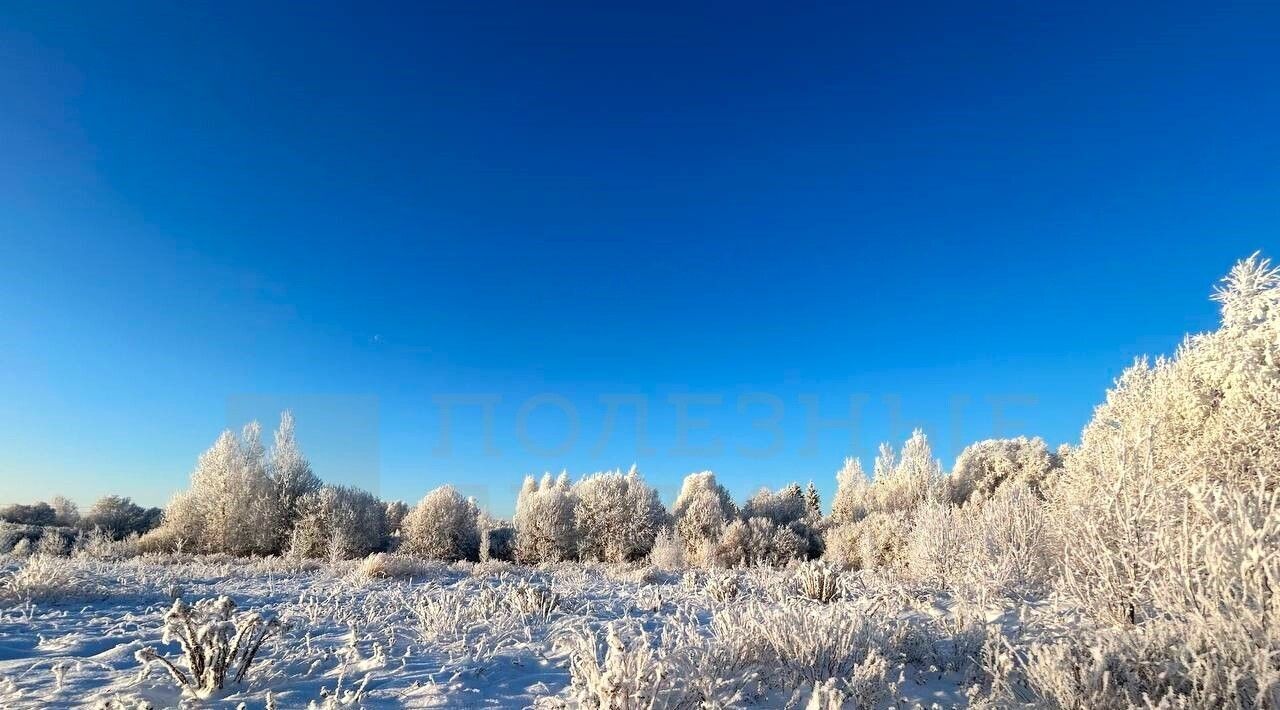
210,211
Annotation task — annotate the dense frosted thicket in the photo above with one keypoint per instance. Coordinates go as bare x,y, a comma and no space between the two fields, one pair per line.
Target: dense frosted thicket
1136,569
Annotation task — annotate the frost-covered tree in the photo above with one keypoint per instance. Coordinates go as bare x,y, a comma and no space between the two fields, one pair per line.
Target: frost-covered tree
852,501
65,512
617,516
702,510
339,522
120,517
291,475
987,465
443,526
497,539
544,521
394,515
231,504
1204,419
40,513
778,507
813,500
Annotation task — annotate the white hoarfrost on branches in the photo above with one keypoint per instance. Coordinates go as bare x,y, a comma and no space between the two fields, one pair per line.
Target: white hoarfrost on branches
617,516
987,465
443,526
339,522
291,475
702,511
544,521
218,645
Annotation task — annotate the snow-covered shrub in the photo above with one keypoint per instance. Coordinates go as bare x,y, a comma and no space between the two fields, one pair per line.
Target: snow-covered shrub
702,511
905,482
443,526
982,468
383,565
818,581
532,599
1011,552
43,579
875,542
941,544
22,548
778,507
339,522
53,543
120,517
757,541
39,514
798,643
217,644
65,512
617,516
667,552
497,540
544,521
722,587
1209,413
622,668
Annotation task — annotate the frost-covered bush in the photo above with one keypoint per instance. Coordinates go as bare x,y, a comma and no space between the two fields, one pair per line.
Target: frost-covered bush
667,552
339,522
905,482
875,542
722,587
40,513
384,565
532,599
798,644
982,468
217,644
780,507
617,516
621,668
443,526
43,579
1011,549
940,546
818,581
544,521
119,517
241,501
757,541
702,511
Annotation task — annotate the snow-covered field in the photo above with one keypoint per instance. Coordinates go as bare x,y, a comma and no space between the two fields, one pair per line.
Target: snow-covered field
489,635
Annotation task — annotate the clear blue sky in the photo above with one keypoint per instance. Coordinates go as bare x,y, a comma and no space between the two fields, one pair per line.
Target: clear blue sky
209,212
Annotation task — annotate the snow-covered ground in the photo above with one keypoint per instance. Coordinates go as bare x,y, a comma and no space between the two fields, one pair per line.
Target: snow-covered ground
489,635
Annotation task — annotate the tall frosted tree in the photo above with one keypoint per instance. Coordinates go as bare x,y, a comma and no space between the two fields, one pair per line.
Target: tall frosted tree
852,501
291,475
231,504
